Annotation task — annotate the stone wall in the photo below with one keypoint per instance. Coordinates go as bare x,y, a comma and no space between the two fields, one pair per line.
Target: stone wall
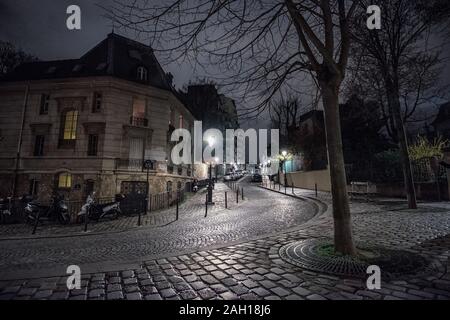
308,179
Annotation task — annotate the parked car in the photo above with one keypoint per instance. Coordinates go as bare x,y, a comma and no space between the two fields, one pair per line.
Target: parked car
256,177
227,177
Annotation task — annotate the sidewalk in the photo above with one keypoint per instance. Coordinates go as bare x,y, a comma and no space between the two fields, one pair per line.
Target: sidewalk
193,207
361,204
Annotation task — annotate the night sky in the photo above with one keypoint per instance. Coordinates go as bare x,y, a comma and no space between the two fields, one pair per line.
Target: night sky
39,28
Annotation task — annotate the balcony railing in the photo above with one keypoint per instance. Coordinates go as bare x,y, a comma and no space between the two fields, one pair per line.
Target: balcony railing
139,122
133,164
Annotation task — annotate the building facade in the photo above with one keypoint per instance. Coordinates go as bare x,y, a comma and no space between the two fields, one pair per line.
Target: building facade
215,110
90,124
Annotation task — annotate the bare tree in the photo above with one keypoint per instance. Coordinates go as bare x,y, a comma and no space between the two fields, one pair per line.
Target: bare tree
262,46
11,57
285,114
400,54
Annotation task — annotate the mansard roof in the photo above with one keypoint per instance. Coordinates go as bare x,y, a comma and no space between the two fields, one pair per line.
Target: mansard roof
115,56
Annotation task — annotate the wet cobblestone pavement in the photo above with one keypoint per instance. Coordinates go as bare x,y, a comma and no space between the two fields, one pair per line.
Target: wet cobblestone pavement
232,255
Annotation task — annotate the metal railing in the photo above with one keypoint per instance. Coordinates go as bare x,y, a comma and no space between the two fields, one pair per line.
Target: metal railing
139,122
132,164
165,200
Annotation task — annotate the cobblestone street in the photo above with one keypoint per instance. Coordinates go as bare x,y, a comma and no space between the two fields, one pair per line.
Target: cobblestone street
231,254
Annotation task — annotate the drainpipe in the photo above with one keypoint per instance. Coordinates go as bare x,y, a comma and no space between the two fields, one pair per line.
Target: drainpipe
19,143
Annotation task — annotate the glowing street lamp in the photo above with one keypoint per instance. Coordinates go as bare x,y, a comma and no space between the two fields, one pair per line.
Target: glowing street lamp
285,156
211,141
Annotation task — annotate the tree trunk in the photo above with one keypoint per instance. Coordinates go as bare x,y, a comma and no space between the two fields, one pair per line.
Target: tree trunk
343,237
394,102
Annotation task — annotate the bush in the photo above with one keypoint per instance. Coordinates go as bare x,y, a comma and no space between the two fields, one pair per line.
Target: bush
423,148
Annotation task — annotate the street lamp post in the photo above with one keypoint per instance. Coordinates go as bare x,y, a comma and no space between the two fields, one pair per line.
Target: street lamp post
209,184
283,157
211,142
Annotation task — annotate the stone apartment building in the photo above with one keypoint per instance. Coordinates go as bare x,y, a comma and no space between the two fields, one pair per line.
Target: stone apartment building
215,110
90,123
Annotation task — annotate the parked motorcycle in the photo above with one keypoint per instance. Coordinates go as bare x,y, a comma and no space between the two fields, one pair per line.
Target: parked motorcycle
57,210
10,210
5,209
99,211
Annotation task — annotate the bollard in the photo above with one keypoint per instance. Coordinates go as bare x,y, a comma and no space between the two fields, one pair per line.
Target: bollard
285,187
178,200
206,206
226,200
293,188
168,201
36,223
86,218
237,195
146,206
139,217
150,204
315,188
242,193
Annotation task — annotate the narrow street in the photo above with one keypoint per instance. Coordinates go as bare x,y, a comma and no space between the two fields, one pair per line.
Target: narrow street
231,254
122,242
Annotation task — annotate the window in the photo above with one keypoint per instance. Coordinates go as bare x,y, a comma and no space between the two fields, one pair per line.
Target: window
39,146
172,117
51,69
139,113
65,180
139,108
142,73
169,186
101,66
92,145
34,188
89,187
45,98
97,102
77,68
70,125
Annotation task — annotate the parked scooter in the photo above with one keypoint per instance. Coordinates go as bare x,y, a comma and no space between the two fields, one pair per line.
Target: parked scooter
10,210
195,186
5,209
98,211
57,210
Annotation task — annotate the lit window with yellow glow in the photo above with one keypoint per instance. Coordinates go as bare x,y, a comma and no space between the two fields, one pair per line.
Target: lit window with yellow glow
65,180
70,125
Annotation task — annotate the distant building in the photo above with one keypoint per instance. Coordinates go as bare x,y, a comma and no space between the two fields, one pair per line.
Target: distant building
90,123
310,142
215,110
442,122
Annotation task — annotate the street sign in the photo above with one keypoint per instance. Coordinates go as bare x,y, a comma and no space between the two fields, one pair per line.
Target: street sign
148,164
